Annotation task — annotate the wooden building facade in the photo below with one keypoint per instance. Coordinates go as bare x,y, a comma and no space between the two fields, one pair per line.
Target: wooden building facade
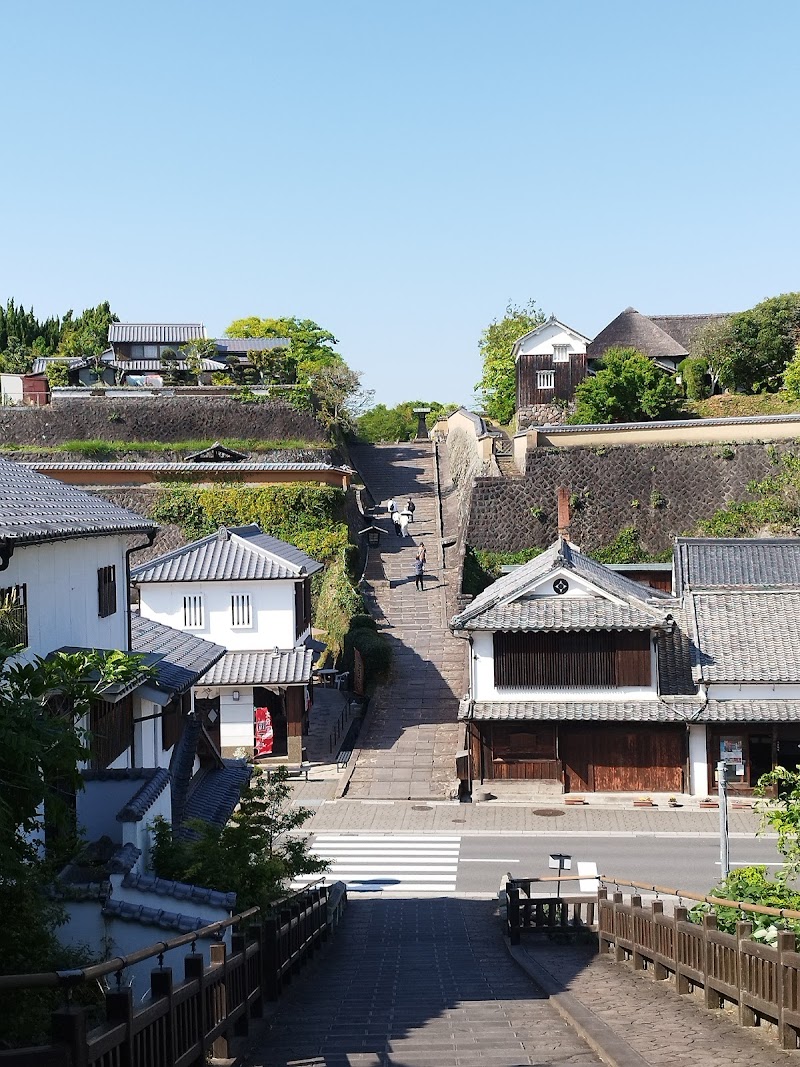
550,362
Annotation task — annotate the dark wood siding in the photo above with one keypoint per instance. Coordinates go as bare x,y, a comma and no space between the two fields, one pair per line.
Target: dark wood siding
566,377
596,660
632,758
302,606
111,730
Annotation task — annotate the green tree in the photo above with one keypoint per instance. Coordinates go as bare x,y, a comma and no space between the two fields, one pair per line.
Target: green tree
399,423
195,351
781,814
17,358
791,376
87,336
712,343
311,345
339,396
694,373
256,855
497,389
628,387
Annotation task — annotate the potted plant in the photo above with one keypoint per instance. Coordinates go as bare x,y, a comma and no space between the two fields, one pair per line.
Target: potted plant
643,802
673,802
709,802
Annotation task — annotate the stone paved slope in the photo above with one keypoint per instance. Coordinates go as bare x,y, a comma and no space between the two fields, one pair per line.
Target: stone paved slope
408,748
418,983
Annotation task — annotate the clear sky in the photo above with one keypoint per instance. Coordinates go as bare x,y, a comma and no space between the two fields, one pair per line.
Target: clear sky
399,171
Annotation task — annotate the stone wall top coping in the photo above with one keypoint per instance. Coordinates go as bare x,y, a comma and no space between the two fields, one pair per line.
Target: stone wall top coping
673,424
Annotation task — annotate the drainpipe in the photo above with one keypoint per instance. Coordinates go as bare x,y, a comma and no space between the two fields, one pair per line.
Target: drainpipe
151,536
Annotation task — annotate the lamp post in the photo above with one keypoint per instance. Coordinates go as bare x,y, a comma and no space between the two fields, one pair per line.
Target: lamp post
722,785
422,429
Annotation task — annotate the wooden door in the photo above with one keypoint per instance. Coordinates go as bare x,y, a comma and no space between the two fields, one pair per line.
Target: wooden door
208,710
575,748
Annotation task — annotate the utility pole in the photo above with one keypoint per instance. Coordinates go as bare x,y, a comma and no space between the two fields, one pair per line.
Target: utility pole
724,851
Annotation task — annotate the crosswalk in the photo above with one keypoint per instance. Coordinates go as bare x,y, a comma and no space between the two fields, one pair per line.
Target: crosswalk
382,863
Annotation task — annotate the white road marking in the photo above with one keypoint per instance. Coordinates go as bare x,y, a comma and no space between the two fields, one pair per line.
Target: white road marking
387,863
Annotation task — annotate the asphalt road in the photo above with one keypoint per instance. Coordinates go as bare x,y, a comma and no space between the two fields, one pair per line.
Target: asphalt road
684,861
469,864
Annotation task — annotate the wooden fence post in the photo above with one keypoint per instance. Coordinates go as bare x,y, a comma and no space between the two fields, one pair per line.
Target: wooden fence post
786,991
711,998
660,972
747,1017
603,943
194,970
256,932
680,915
239,946
218,956
161,988
68,1026
512,910
636,956
619,951
270,962
119,1009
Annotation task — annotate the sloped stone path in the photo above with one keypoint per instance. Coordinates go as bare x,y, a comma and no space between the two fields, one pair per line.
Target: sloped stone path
418,983
408,748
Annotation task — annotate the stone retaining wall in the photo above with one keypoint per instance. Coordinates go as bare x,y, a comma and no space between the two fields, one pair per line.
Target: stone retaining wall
157,419
662,490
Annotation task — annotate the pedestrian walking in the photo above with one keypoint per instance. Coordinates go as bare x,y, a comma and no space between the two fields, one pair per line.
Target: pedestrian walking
403,524
419,573
396,521
421,553
391,507
410,508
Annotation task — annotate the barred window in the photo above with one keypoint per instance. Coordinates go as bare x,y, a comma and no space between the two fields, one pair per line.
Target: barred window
241,611
545,379
193,615
106,591
14,616
560,354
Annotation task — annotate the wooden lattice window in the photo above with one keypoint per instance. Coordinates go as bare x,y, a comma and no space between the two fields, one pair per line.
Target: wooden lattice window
106,591
582,660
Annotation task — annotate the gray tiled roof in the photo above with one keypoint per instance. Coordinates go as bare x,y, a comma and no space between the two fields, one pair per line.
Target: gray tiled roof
749,711
561,555
250,344
156,366
630,329
155,333
675,659
709,562
215,791
577,711
236,554
185,657
746,637
165,920
185,467
166,887
285,667
35,508
145,796
568,613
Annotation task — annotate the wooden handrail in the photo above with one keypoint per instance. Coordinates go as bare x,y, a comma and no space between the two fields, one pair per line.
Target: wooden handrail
741,905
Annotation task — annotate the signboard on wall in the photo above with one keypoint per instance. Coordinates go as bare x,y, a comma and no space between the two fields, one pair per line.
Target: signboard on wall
263,733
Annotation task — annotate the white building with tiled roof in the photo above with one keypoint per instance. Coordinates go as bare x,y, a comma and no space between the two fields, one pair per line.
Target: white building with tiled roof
582,680
251,593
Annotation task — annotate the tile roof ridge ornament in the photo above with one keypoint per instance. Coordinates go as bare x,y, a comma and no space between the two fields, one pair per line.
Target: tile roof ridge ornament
223,533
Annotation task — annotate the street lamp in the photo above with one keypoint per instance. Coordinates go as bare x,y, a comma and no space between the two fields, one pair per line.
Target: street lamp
559,862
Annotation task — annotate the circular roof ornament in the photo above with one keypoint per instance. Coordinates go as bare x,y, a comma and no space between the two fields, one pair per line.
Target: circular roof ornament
560,586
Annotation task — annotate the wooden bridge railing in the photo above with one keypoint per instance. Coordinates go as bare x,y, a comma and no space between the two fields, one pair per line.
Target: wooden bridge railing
762,980
186,1021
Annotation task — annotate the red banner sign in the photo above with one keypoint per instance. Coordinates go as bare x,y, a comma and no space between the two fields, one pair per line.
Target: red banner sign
263,732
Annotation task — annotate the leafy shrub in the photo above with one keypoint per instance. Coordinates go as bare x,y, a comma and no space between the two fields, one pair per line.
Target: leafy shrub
694,373
751,885
364,621
627,547
482,567
375,652
657,499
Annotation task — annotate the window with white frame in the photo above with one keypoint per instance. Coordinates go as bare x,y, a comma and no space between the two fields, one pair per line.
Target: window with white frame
241,611
560,353
545,379
193,616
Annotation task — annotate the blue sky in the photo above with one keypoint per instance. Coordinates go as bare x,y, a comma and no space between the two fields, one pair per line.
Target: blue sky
398,172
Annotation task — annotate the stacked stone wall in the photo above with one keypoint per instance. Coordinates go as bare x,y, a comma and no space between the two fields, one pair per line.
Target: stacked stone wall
544,415
157,419
662,490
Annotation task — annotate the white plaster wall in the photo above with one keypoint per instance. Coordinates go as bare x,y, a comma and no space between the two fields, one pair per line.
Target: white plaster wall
272,605
116,937
11,388
147,735
98,804
485,689
139,833
754,691
61,580
579,588
541,343
698,760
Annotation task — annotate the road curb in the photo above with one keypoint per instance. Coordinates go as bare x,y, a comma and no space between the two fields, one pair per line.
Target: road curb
609,1046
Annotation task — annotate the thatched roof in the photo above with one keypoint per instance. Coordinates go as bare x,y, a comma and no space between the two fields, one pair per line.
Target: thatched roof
630,329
